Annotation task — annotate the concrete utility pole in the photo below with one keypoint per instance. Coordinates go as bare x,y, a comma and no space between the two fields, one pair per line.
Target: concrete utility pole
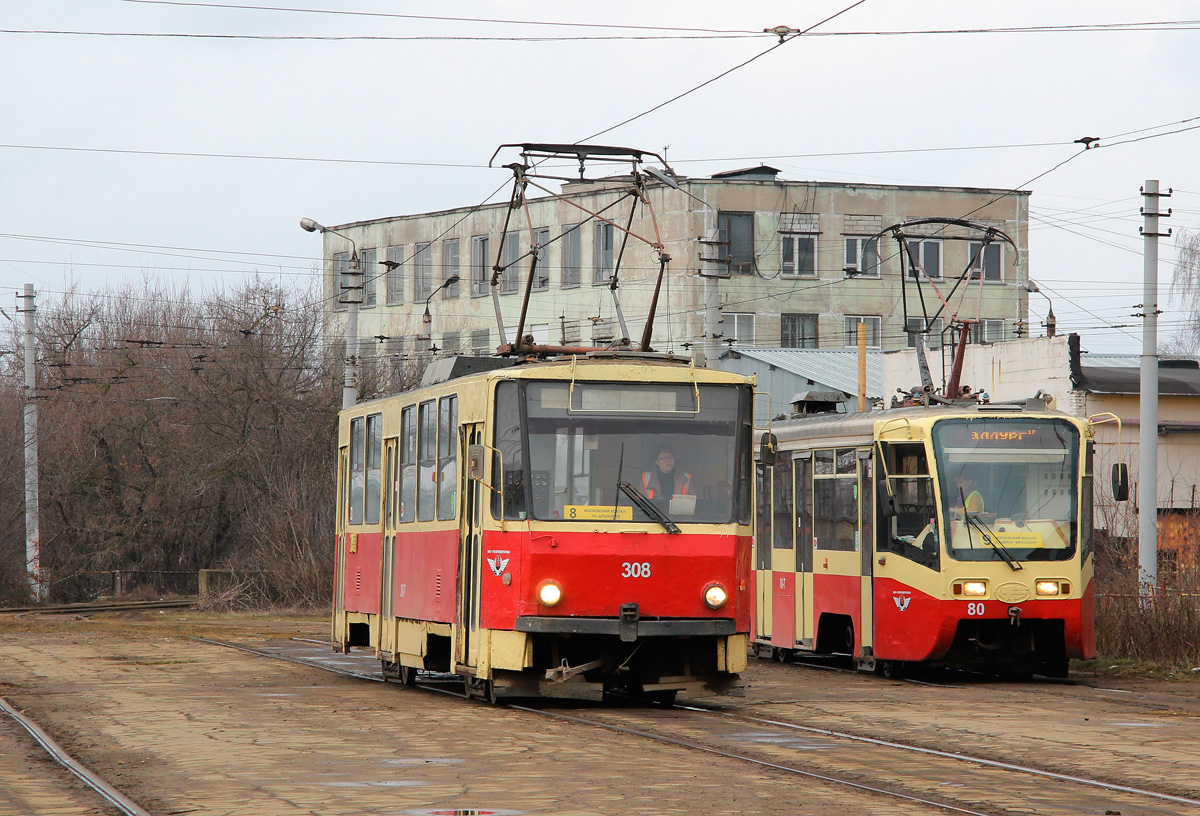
1148,434
33,546
351,284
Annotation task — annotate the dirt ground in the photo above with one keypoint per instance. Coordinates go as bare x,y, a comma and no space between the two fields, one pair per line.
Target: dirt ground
186,727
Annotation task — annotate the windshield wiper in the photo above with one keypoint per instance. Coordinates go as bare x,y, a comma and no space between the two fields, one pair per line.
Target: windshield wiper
648,507
989,537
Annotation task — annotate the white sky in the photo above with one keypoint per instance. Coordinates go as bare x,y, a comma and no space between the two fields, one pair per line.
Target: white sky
454,101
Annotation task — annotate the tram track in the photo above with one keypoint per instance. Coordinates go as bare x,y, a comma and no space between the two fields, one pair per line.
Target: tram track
858,763
85,775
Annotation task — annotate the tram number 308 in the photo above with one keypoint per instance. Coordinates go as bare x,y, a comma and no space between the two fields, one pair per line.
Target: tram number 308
635,569
975,608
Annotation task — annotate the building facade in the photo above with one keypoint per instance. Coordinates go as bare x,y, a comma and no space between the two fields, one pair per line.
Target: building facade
754,261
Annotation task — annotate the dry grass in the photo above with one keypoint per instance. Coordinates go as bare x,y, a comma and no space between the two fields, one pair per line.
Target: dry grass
1140,633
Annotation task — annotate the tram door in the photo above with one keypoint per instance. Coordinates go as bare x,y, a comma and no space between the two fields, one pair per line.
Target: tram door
763,578
387,560
866,516
783,557
802,503
470,507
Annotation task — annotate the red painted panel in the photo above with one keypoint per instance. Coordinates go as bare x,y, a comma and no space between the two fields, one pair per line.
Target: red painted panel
364,574
666,575
783,609
425,580
838,595
911,625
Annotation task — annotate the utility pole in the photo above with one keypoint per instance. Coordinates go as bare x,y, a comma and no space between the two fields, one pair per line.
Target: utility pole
351,283
1148,433
33,547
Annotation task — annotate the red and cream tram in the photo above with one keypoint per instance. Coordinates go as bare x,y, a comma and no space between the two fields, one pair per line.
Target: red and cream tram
957,535
497,525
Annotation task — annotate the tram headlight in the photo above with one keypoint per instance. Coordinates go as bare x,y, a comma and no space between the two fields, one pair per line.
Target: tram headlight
715,596
1047,587
974,588
549,593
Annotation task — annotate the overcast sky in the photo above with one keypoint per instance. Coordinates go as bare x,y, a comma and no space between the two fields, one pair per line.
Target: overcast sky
456,89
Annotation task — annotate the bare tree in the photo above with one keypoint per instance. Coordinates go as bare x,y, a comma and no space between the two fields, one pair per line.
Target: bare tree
1185,285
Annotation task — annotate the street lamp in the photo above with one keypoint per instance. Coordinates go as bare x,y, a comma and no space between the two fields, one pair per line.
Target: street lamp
352,288
1051,324
427,319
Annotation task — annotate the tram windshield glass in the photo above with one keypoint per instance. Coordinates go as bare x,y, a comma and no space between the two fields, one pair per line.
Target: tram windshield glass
620,452
1008,488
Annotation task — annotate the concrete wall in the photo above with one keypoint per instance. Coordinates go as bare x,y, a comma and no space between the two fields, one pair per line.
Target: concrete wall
687,223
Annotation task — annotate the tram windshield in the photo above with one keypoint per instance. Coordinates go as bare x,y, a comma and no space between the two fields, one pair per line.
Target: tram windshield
603,451
1009,488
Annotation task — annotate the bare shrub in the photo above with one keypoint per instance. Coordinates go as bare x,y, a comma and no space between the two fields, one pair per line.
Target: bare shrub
179,433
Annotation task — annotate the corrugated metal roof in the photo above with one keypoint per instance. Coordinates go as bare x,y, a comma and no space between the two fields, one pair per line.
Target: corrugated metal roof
837,368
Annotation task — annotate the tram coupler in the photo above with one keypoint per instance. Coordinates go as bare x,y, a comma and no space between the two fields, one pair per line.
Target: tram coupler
563,673
629,622
1014,615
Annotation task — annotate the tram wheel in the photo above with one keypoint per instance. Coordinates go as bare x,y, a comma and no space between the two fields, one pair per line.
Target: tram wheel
407,675
889,668
782,655
666,699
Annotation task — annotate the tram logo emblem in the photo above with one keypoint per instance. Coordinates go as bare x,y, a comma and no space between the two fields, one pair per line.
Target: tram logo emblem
901,599
498,564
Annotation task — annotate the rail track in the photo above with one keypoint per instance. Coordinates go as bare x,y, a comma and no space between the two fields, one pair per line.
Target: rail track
105,606
106,791
945,781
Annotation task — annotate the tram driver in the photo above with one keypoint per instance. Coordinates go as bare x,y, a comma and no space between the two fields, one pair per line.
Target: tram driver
667,486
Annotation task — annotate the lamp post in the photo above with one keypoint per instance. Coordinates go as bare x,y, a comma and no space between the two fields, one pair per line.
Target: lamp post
427,318
352,289
1051,323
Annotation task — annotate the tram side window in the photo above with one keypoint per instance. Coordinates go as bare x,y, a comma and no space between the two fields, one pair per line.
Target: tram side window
835,499
358,471
374,462
782,522
912,532
1086,507
426,460
447,466
406,486
508,469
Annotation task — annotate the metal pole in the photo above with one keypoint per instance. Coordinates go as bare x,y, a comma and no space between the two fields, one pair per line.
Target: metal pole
862,366
1148,433
33,549
353,298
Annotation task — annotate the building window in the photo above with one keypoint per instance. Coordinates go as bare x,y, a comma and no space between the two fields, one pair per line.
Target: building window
480,341
572,255
341,274
541,279
874,328
987,331
422,272
799,254
479,265
929,254
798,331
370,277
450,342
450,266
862,257
739,327
986,261
511,276
570,332
735,236
602,252
395,275
932,335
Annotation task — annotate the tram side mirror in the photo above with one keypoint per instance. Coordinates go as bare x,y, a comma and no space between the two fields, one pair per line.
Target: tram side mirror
887,503
768,449
476,455
1120,481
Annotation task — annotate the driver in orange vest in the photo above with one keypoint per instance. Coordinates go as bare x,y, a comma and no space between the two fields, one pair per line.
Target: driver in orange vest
664,481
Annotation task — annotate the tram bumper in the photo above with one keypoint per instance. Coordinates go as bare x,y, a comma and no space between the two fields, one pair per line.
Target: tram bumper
626,626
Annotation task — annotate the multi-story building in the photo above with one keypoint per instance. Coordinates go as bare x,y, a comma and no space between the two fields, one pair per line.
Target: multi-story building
754,261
